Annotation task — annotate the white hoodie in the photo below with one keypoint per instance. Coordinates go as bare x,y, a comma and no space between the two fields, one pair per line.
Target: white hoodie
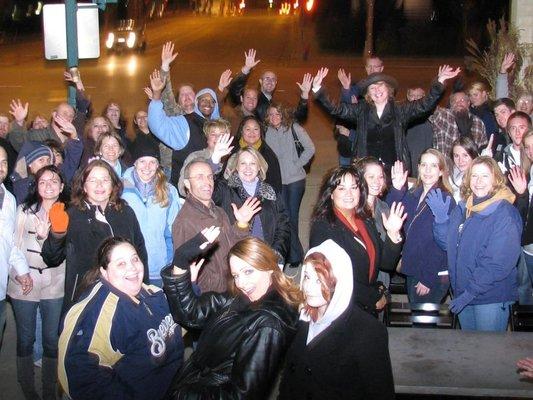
343,272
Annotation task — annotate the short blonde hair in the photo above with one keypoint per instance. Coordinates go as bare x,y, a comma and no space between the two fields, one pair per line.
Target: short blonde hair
234,159
500,181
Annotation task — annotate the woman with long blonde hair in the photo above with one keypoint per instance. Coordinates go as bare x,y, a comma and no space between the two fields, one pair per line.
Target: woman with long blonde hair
245,332
156,204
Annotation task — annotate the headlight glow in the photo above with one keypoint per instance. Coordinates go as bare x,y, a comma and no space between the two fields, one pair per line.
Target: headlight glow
110,40
131,40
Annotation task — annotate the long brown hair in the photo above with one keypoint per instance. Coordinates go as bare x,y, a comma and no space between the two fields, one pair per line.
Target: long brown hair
444,182
260,256
328,281
79,197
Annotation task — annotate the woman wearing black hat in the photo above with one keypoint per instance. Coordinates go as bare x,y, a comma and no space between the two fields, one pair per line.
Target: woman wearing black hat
381,123
155,203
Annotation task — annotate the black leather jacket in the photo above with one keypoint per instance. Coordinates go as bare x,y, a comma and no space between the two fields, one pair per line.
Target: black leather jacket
402,114
242,345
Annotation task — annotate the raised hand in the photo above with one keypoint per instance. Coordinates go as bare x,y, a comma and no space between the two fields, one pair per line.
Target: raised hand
438,206
398,175
42,227
222,148
194,247
507,63
148,92
167,55
18,111
250,207
249,61
75,79
157,83
210,235
305,86
394,222
518,179
344,79
319,77
487,151
195,269
66,127
446,72
225,80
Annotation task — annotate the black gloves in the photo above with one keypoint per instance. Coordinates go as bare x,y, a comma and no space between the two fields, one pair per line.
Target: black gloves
190,251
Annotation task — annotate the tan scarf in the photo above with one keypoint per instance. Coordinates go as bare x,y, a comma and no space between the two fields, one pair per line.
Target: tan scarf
502,194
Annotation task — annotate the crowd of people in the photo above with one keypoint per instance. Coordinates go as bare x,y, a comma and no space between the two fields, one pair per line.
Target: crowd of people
115,242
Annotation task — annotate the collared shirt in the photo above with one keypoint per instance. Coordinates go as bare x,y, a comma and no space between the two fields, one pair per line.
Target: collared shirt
445,130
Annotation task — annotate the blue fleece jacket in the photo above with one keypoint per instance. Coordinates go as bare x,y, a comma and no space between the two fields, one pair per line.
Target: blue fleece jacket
116,347
422,258
155,222
483,251
172,131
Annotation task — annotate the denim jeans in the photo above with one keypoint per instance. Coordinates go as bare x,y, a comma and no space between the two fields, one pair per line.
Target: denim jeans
435,295
524,282
25,315
292,197
2,319
485,317
529,265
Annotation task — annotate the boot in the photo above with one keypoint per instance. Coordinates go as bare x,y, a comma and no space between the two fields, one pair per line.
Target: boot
26,377
49,378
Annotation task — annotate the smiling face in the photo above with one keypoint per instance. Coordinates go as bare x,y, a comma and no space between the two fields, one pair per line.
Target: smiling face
379,92
146,167
502,114
373,65
252,282
517,128
98,187
200,182
206,104
525,104
375,179
98,127
345,197
213,135
186,97
528,146
113,113
481,180
110,149
312,288
251,132
268,82
477,97
39,122
3,164
429,170
141,120
125,270
49,186
247,167
249,100
459,102
461,158
274,117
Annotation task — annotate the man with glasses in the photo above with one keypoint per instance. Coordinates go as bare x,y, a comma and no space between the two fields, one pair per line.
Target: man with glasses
267,86
200,212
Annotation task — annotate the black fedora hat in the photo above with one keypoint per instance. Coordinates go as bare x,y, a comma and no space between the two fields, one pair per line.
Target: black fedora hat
375,78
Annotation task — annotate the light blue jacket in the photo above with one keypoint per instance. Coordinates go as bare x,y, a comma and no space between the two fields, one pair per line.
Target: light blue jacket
155,222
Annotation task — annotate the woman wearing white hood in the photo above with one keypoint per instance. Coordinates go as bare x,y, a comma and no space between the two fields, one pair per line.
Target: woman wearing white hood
339,351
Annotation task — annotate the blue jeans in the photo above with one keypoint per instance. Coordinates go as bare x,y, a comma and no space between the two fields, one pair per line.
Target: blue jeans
2,319
292,197
435,294
529,265
524,282
485,317
25,315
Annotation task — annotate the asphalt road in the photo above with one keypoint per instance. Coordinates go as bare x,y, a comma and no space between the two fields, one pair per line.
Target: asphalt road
206,46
